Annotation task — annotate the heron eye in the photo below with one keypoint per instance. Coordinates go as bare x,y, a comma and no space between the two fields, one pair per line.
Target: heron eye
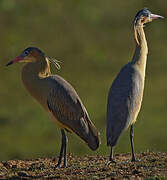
26,53
146,14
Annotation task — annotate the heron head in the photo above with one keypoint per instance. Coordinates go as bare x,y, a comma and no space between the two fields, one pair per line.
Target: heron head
30,54
144,16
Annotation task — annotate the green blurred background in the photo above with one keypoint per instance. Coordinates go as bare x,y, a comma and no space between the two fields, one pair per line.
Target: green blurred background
93,39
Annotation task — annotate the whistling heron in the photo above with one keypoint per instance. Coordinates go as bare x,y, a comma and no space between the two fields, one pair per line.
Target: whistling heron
57,97
126,93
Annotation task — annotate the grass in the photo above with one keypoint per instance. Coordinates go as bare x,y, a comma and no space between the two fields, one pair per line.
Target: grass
93,42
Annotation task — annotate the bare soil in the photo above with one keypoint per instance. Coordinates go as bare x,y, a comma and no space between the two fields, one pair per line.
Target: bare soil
152,166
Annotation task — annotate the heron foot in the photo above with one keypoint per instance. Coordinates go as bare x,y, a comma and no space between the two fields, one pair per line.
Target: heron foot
111,161
64,166
58,166
135,160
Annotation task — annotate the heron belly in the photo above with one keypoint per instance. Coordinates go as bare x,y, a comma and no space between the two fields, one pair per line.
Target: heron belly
137,108
59,124
135,115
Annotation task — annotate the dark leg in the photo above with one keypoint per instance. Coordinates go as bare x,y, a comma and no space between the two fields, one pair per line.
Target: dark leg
62,148
111,157
132,145
65,148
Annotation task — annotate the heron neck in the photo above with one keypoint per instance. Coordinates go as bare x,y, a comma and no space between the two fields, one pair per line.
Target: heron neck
40,68
34,74
141,51
34,79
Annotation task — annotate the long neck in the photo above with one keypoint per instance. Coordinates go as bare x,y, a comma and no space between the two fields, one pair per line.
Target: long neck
33,77
38,69
141,51
34,74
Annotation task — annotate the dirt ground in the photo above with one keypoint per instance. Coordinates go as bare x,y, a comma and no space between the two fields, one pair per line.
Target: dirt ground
152,166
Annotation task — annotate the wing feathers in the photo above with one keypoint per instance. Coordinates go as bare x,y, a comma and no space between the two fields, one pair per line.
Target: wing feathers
67,108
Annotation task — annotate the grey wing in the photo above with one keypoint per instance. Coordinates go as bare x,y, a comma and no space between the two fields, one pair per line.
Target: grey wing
66,106
122,100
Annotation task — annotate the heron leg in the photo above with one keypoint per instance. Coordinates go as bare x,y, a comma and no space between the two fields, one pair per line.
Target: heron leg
111,157
64,137
62,148
132,144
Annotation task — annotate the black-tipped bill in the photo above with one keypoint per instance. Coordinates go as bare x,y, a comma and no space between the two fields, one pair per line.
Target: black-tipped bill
17,59
11,62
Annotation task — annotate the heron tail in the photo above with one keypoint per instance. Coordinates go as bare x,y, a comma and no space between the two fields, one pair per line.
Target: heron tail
88,133
93,137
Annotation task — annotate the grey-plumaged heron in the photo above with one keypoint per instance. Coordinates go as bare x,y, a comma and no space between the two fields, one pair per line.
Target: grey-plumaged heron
126,93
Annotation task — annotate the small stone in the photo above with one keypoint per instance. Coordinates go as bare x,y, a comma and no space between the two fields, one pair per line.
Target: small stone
22,174
135,171
6,164
14,166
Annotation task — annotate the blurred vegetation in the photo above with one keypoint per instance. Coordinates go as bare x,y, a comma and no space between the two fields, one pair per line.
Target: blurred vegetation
93,39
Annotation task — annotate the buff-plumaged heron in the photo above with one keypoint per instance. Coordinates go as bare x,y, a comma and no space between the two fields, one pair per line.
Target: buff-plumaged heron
58,98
